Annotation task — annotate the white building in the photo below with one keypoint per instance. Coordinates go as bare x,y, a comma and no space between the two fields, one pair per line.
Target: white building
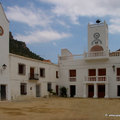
22,77
95,73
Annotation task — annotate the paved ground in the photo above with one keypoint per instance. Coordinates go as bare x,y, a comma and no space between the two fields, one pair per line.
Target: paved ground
60,109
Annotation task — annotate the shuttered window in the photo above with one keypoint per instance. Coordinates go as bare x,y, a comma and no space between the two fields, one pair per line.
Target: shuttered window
72,73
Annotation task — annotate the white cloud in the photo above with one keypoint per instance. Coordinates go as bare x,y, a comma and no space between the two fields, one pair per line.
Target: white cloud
42,36
63,23
76,8
30,16
114,25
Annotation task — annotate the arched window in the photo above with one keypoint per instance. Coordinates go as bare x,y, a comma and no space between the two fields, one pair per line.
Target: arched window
96,48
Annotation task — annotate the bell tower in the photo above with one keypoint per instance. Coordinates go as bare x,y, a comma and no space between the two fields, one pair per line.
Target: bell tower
97,37
4,56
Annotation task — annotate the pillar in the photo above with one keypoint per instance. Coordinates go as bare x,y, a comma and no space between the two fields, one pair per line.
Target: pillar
106,90
84,91
95,91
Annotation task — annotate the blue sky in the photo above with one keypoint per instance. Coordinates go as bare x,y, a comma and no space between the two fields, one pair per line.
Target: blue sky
47,26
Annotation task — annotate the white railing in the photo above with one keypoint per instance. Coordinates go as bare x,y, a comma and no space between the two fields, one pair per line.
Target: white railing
97,54
72,79
118,78
90,55
117,53
96,78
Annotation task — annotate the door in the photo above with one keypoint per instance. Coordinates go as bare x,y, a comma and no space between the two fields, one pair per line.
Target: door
31,73
118,90
3,92
90,91
57,89
72,90
101,91
37,90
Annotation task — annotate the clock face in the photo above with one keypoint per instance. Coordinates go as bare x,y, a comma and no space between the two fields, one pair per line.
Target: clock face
96,35
96,39
1,31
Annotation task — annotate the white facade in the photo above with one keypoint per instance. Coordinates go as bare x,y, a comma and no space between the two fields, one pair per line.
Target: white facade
20,76
95,73
16,78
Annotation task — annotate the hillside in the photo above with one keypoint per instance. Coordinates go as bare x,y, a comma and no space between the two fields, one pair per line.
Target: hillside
20,48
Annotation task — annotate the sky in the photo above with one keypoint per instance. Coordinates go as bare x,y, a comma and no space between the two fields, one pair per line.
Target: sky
47,26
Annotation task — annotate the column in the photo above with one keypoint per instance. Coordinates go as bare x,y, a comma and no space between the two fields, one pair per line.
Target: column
106,90
84,91
95,91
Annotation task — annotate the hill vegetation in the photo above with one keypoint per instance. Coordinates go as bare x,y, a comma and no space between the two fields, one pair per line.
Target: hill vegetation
20,48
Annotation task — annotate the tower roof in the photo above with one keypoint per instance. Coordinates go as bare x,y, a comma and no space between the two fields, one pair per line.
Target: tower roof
3,11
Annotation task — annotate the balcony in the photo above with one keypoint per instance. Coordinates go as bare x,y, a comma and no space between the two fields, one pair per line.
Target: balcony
97,79
33,76
96,55
118,78
115,54
72,79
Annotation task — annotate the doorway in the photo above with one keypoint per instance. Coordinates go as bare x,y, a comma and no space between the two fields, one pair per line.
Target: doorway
72,90
90,91
57,88
38,90
3,92
31,73
101,91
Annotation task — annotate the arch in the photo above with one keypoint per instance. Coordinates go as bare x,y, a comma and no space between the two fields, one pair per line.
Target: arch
96,48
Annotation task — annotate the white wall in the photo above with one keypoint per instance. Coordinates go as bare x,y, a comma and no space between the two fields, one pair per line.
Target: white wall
4,51
16,79
82,66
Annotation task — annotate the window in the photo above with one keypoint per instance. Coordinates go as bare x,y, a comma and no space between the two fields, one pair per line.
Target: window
72,73
23,88
42,72
92,72
118,74
57,74
49,87
118,71
21,69
102,72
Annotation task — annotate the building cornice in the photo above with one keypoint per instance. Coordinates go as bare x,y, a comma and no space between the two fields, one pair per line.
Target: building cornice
30,59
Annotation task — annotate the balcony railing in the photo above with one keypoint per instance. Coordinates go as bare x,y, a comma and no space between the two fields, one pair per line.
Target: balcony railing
94,78
72,79
33,76
114,54
97,54
118,78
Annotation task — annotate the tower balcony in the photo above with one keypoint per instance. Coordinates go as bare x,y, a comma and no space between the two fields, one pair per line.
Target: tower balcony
96,55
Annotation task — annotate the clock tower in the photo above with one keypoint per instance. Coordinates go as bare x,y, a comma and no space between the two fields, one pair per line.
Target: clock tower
97,37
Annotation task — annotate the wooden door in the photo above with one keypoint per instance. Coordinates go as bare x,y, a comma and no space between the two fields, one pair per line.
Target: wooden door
31,73
101,91
90,91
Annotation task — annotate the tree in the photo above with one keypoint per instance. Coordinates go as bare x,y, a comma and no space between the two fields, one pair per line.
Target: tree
63,92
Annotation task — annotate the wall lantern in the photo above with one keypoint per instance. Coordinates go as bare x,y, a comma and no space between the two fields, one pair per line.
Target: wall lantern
4,66
113,68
